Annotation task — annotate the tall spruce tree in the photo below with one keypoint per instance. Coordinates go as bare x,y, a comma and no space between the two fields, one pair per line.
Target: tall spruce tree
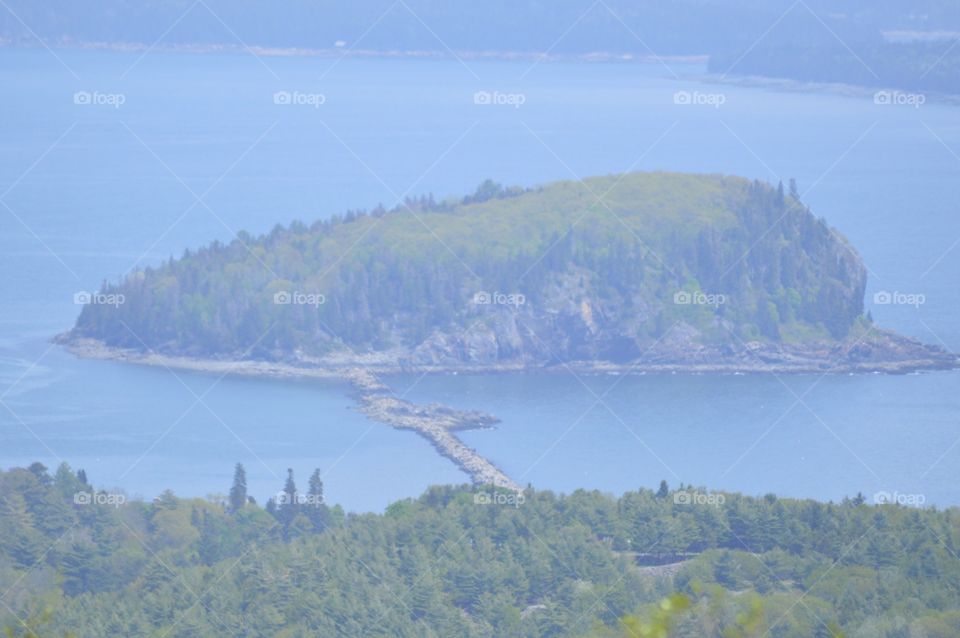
238,491
315,489
289,504
316,509
663,491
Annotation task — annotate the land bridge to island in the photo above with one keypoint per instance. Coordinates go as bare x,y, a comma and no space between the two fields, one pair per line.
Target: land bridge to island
436,423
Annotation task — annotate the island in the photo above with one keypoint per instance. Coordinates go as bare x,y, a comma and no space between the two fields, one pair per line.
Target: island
637,272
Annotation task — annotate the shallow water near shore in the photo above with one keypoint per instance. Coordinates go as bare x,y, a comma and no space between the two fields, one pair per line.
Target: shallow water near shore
746,433
107,195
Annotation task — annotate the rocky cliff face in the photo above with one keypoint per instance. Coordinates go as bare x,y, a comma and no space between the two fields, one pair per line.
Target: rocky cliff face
571,320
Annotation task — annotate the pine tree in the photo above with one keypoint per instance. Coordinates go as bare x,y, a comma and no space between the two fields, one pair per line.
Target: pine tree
288,507
663,491
238,492
317,509
66,482
39,470
316,488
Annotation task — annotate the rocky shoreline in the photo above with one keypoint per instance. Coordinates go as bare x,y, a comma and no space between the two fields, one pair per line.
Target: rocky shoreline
877,352
438,423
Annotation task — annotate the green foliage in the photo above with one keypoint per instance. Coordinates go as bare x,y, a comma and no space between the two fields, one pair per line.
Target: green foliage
644,564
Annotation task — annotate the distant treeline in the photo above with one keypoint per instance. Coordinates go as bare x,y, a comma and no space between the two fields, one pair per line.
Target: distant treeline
909,66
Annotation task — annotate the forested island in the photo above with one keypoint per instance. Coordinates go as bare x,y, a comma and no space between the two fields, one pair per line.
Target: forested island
80,561
641,271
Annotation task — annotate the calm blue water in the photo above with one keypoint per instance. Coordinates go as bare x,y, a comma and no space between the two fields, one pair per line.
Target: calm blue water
94,190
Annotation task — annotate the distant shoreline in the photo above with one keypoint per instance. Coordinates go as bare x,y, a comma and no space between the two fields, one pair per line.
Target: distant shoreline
787,85
344,52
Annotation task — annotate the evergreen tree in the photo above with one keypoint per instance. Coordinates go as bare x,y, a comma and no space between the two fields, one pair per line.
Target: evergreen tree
315,489
316,509
77,568
238,492
39,470
288,506
663,491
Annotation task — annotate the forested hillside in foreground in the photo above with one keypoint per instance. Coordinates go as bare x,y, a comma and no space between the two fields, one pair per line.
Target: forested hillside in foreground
469,562
534,276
